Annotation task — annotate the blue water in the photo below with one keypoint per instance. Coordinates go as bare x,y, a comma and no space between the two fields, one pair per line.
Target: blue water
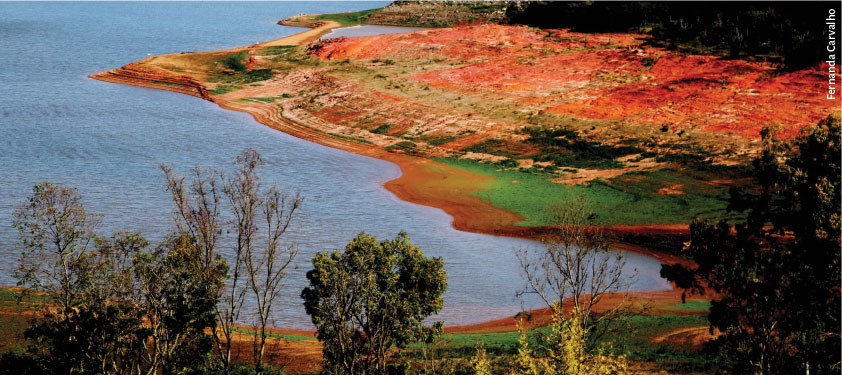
107,140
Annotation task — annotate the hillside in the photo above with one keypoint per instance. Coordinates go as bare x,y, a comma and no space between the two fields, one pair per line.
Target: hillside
526,117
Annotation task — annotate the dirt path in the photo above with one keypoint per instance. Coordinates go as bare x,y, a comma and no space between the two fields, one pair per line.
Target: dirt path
320,28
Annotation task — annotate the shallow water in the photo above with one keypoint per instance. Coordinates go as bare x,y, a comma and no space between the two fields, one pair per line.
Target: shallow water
368,30
107,140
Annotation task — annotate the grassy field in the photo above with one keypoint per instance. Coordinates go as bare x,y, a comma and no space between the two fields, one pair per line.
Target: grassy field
628,199
349,18
634,340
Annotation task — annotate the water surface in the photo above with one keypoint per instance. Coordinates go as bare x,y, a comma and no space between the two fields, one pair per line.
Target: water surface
107,140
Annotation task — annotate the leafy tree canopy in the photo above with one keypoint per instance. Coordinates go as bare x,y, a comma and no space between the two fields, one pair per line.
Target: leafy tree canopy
369,298
776,276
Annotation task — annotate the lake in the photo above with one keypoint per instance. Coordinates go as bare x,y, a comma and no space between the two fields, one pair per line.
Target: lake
107,140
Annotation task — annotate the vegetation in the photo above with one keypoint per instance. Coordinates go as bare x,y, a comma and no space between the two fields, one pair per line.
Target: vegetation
407,147
369,298
224,89
628,199
257,217
382,129
576,263
438,13
776,275
113,305
787,30
234,61
564,148
348,18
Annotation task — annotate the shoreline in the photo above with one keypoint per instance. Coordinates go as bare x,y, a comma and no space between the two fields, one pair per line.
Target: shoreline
422,181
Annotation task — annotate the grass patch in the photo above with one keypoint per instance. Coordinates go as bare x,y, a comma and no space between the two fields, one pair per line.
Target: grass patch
564,148
634,339
625,200
349,18
276,335
438,141
275,50
251,76
693,306
261,100
636,343
224,89
271,99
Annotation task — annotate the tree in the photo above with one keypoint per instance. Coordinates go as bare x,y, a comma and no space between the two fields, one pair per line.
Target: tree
566,351
55,231
102,332
115,308
480,362
369,298
776,275
256,217
178,295
523,364
265,266
575,262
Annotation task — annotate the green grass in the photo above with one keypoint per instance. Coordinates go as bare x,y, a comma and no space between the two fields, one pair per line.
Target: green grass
275,50
224,89
349,18
277,335
625,200
634,339
636,343
438,141
693,306
251,76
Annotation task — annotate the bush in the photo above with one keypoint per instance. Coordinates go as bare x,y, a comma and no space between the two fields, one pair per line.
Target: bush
234,61
382,129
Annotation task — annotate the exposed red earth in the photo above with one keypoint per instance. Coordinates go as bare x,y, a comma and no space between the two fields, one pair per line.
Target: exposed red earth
607,77
508,71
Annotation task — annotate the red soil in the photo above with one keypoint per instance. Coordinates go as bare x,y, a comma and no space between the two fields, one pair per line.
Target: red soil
646,303
606,77
565,73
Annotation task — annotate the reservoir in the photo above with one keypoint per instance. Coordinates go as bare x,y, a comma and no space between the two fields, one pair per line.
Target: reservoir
107,140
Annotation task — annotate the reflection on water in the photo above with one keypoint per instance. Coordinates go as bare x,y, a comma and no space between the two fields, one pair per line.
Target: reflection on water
107,140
